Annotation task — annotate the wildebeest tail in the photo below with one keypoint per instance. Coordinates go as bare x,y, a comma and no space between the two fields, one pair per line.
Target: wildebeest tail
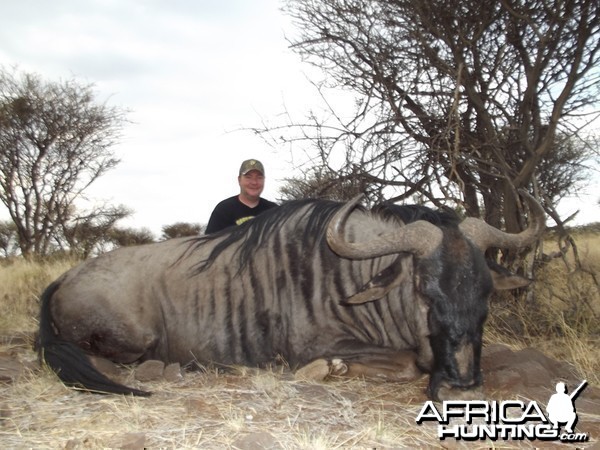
68,361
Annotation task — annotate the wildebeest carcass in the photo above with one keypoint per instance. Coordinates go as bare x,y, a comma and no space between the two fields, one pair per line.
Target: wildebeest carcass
311,282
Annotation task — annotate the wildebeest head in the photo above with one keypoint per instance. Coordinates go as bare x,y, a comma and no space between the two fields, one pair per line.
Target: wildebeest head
452,280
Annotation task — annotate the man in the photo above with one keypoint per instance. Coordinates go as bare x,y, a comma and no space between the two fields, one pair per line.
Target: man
247,204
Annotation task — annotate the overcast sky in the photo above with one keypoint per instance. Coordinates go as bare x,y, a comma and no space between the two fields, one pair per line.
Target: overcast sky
192,72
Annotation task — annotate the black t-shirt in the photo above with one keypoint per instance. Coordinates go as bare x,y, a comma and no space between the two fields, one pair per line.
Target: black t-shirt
232,212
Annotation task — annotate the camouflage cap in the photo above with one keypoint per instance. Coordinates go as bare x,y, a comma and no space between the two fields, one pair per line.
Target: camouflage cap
251,164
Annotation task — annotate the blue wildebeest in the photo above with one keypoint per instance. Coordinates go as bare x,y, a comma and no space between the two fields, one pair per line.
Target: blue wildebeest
317,283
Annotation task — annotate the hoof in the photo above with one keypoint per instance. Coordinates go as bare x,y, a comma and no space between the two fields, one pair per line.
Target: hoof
338,367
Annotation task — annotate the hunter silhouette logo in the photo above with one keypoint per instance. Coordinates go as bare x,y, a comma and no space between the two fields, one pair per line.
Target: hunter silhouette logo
509,419
561,406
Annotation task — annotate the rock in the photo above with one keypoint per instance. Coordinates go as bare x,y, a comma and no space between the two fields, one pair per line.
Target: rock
105,366
130,441
256,441
530,374
494,348
533,373
506,379
173,373
552,366
150,370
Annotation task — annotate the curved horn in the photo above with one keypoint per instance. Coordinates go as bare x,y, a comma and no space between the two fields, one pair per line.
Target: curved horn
485,236
419,238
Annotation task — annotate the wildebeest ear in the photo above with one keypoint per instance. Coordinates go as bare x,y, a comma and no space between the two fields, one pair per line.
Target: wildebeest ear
379,285
504,279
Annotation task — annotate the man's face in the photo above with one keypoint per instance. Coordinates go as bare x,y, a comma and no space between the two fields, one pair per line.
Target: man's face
252,184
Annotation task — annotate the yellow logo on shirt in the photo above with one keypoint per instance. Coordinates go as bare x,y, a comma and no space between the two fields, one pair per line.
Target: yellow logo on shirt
243,219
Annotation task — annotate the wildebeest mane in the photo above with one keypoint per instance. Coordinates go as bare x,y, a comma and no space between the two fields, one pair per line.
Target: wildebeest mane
412,213
252,234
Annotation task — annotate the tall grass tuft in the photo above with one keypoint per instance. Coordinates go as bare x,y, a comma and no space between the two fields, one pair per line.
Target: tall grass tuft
21,283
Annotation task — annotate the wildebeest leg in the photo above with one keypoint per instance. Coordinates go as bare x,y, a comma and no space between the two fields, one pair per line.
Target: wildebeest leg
100,328
122,341
400,367
392,365
123,351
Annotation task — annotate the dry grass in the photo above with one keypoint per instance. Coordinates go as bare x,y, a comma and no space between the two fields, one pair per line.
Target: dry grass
563,317
21,283
268,408
211,410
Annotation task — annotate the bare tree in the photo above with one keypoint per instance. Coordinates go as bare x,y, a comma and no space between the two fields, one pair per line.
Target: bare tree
460,101
55,141
323,183
8,243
